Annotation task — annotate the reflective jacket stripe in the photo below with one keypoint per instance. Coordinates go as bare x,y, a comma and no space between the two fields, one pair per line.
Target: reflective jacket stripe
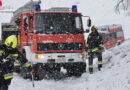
8,76
1,51
86,45
27,65
88,51
100,45
99,62
90,66
16,55
95,49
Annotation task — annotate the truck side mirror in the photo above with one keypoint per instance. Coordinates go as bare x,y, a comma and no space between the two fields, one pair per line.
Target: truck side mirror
89,22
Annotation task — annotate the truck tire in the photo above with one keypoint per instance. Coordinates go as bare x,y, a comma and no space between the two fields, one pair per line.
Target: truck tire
118,43
76,69
25,73
44,71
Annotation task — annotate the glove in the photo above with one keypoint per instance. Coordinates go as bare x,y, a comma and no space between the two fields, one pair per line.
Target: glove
99,51
86,48
32,71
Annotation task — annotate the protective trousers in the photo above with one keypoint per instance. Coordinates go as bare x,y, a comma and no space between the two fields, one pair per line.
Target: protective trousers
4,84
91,57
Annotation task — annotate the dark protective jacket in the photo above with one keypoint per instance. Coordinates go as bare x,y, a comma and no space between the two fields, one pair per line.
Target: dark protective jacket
8,58
2,49
94,42
2,52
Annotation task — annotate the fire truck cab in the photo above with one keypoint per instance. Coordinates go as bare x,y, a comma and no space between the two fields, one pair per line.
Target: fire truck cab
112,35
52,38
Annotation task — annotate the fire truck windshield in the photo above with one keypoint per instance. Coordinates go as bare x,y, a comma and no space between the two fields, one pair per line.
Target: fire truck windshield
58,23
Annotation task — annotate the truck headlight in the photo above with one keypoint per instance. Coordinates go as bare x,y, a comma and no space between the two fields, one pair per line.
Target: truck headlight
39,56
81,56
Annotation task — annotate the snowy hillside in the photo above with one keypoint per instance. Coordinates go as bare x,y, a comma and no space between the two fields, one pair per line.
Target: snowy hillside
115,75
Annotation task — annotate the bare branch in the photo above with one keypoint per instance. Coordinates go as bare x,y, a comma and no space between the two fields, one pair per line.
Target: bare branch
119,2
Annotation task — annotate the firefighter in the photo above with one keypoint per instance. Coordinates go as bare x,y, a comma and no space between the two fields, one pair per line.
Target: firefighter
11,53
94,48
2,50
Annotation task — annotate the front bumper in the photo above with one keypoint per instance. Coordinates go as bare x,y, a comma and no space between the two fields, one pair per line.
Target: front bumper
57,57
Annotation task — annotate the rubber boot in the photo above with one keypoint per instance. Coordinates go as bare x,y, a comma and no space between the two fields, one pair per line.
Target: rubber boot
4,87
99,67
91,70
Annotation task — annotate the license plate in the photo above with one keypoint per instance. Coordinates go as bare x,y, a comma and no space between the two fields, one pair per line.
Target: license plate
61,59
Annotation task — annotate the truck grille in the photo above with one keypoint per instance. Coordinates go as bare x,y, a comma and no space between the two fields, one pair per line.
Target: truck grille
59,46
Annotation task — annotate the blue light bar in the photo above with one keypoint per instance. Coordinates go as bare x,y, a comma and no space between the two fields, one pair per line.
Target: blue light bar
37,7
74,8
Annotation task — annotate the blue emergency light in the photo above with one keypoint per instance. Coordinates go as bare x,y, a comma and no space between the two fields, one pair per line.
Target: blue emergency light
37,7
74,8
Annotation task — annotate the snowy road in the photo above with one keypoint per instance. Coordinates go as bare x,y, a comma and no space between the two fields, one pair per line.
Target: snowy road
115,75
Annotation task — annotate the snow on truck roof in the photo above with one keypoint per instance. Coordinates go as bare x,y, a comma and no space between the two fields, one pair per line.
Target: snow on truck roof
107,28
27,8
30,8
58,9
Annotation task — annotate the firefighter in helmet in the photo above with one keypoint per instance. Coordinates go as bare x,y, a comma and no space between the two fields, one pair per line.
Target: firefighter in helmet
10,55
94,48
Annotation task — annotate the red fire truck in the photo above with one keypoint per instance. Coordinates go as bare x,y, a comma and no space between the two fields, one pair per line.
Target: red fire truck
50,39
112,35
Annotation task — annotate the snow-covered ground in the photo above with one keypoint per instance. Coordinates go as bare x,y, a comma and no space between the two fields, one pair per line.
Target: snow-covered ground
115,75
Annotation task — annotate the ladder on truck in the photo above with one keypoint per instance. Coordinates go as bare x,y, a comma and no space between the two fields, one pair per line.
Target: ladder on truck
27,8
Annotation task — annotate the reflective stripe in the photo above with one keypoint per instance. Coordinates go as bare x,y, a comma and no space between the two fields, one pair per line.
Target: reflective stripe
17,61
98,37
100,45
90,66
88,51
10,28
4,60
16,55
27,65
95,49
89,36
8,76
86,45
100,63
1,51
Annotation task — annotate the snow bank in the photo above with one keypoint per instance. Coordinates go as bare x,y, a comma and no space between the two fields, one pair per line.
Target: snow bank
115,75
